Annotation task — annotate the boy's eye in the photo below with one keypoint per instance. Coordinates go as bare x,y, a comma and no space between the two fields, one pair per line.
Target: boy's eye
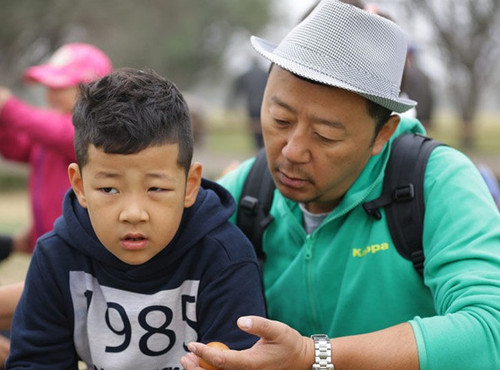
155,189
109,190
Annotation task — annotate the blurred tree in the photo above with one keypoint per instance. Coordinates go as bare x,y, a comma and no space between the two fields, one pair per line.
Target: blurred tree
467,34
181,39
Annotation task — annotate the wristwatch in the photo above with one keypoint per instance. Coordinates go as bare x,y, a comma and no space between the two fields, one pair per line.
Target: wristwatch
322,353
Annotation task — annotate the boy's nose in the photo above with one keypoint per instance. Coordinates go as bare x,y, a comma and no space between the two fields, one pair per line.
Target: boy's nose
134,212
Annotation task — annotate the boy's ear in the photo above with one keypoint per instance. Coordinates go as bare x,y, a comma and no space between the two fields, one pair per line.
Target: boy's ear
385,133
75,178
193,184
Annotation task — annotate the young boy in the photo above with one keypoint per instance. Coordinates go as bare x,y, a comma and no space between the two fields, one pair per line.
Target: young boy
143,259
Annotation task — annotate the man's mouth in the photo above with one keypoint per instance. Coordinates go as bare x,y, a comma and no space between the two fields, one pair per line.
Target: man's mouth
290,181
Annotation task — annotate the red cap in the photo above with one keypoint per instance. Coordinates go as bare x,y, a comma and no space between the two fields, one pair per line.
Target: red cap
70,65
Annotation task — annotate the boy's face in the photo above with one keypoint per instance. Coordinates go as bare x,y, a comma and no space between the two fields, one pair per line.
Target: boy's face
135,201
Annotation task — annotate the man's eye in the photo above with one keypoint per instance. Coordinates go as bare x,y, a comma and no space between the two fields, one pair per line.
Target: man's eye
325,139
281,122
109,190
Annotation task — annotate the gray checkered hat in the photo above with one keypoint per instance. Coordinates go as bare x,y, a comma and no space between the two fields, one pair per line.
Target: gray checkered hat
346,47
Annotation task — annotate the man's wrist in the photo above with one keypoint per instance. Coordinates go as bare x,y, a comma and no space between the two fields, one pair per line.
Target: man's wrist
322,353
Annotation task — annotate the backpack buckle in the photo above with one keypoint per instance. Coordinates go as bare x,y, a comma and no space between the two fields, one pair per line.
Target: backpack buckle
249,203
404,193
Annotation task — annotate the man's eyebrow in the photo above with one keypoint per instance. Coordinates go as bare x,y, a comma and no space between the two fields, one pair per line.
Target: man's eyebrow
276,100
316,119
327,122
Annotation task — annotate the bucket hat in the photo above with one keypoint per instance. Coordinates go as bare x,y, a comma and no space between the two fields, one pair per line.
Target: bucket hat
340,45
70,65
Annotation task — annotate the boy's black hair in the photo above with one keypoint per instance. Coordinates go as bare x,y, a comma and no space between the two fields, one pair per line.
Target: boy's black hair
130,110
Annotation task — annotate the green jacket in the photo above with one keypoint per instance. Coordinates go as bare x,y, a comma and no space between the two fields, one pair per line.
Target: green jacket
347,277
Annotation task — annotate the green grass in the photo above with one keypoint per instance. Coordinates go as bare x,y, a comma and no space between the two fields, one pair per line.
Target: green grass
487,133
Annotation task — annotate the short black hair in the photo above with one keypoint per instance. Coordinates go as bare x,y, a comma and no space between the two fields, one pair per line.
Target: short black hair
379,114
130,110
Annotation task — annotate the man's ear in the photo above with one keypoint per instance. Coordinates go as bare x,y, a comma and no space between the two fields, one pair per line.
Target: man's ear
193,184
75,178
385,133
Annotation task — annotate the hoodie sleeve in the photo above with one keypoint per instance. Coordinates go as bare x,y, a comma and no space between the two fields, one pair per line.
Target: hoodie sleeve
14,144
233,289
41,335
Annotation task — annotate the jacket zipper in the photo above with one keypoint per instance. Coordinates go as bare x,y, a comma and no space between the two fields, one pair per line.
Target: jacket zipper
310,284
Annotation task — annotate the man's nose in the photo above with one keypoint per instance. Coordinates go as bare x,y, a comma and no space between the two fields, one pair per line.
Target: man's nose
297,148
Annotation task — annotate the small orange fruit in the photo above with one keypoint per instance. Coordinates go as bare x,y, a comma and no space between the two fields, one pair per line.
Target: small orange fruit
217,345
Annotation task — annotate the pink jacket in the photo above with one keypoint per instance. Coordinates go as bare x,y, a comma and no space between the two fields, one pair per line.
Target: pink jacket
44,139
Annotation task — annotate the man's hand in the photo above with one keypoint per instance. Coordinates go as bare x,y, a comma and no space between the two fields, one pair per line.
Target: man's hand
279,347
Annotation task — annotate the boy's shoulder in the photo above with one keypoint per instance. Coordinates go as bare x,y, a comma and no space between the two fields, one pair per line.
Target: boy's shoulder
226,245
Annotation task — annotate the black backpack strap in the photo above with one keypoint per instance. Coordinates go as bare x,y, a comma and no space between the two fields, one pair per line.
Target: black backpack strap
403,195
255,202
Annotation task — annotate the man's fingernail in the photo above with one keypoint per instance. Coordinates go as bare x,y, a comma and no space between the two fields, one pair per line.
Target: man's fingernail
192,347
245,322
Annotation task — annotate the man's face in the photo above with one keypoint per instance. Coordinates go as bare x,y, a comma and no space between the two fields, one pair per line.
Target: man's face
318,139
135,201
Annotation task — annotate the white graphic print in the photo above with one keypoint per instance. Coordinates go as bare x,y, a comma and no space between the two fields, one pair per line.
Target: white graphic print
118,329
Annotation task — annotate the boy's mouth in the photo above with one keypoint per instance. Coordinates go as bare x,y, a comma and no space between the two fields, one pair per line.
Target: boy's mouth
134,242
134,237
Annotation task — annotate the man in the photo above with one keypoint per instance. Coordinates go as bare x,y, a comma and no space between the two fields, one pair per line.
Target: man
328,124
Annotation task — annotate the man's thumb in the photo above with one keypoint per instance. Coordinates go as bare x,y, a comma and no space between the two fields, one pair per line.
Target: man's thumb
260,326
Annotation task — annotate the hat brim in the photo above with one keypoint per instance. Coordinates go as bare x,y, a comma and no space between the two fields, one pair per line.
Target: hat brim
49,76
266,49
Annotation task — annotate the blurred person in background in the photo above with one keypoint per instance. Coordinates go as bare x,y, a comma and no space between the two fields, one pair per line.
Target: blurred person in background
416,84
250,85
43,137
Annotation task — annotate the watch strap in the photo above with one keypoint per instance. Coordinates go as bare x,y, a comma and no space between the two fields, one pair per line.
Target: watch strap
322,352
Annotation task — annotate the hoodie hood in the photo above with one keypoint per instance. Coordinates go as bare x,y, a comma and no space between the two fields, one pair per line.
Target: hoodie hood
213,207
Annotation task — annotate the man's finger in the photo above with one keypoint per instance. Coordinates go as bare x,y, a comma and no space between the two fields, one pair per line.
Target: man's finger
212,355
261,327
190,362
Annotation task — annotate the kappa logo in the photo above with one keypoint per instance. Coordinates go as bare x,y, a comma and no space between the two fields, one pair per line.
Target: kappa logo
371,249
